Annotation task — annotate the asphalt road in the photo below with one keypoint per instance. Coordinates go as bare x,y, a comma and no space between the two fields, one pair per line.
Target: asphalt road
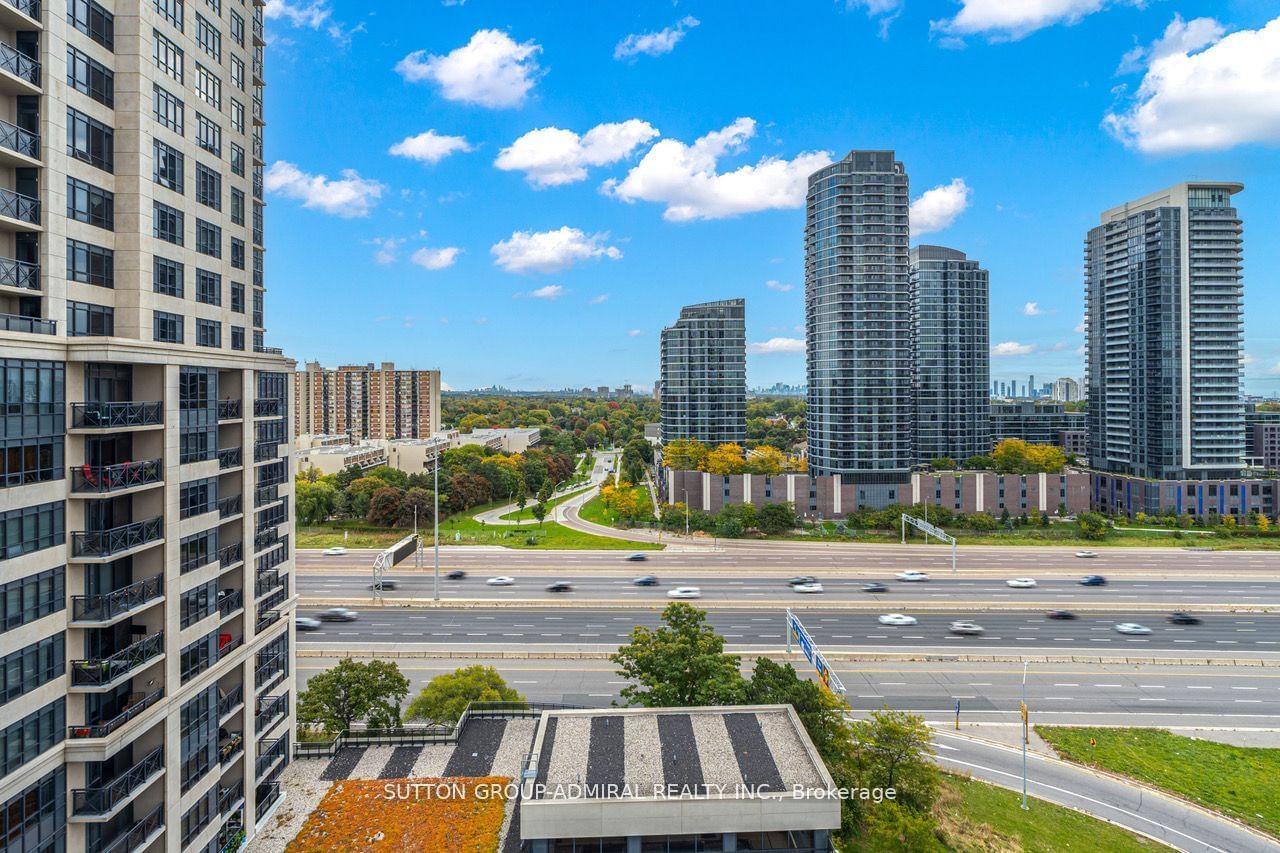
1221,635
1176,594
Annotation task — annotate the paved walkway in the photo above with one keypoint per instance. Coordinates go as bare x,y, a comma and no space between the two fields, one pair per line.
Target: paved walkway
603,462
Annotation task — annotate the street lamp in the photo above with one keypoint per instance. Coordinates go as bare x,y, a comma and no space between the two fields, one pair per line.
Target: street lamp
1022,708
686,512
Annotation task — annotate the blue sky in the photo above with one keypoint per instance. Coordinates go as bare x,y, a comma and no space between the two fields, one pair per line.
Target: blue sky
525,193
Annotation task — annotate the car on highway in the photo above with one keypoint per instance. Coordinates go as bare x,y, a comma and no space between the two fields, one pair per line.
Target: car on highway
1132,628
336,551
966,627
685,592
501,580
802,579
807,587
306,623
1181,617
874,586
912,576
637,558
337,614
646,580
897,619
1093,580
1059,614
388,583
455,575
1021,583
1086,555
559,586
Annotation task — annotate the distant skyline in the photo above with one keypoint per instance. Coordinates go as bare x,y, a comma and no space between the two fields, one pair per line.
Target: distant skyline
524,194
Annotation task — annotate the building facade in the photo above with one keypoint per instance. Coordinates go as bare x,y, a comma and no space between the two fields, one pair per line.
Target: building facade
1163,316
704,373
951,347
1262,438
145,504
1038,423
1066,390
858,321
366,402
1203,498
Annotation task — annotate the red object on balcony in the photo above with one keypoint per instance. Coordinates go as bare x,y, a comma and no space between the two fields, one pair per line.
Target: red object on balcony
223,641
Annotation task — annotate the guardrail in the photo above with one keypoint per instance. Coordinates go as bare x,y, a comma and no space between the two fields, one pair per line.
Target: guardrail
107,543
99,479
103,729
108,605
19,274
98,801
96,672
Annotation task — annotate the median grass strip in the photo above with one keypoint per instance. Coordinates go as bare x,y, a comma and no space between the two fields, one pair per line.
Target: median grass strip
527,512
1234,780
596,512
974,816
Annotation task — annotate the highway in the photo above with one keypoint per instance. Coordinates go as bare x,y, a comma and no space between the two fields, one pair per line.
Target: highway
1221,635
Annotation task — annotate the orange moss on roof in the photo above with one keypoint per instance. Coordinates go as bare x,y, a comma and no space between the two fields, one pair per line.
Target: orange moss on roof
463,815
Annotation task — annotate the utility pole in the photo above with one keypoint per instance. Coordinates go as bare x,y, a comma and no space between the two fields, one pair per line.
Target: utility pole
1022,707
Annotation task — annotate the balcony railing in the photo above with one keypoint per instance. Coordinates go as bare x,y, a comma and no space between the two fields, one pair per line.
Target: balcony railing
114,724
230,457
229,796
268,407
231,602
139,833
229,410
30,8
100,608
228,703
267,618
229,747
267,582
229,506
264,495
265,451
230,647
100,801
29,325
275,557
197,560
106,543
231,554
19,64
96,673
114,415
272,753
16,139
270,709
257,29
266,350
268,671
100,479
20,274
264,539
274,600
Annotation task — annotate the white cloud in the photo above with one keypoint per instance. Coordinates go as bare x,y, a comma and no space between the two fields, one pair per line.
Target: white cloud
311,15
387,248
1226,94
429,147
1008,348
1081,328
887,11
348,197
1274,370
550,251
550,156
654,44
781,287
550,291
776,346
491,70
436,259
1032,309
1179,37
939,207
1246,359
635,333
598,298
684,177
1010,20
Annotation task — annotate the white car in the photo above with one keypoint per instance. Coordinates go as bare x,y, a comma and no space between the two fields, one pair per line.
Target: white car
897,619
911,576
1133,628
685,592
964,626
1021,583
1086,554
335,552
501,580
807,587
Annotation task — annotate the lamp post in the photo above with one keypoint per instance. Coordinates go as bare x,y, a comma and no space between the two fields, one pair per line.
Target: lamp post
1025,736
686,512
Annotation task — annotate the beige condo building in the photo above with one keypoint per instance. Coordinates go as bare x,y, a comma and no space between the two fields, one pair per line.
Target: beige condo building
366,402
146,688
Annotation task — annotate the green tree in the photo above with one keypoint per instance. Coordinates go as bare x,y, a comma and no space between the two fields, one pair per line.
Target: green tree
892,749
424,501
1093,525
314,501
522,495
390,476
943,463
821,711
890,828
446,696
981,462
539,511
384,506
680,663
472,422
633,467
773,519
642,448
354,692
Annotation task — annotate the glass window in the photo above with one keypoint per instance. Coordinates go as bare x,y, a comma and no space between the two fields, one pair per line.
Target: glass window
169,166
32,528
208,186
28,668
237,160
208,287
86,320
34,597
90,204
208,333
237,206
168,55
197,497
237,253
93,20
237,337
237,72
208,87
208,239
237,297
171,11
90,140
167,108
167,278
208,37
90,77
208,135
90,264
37,459
237,28
167,223
237,116
168,327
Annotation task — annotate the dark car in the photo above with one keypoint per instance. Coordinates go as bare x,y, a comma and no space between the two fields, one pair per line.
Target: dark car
1093,580
1181,618
875,586
306,623
388,583
646,580
802,579
559,586
336,614
456,575
637,558
1059,614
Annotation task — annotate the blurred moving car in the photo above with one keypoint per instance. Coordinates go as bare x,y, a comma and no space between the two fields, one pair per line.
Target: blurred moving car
388,583
637,558
1021,583
337,614
897,619
1086,554
559,586
455,575
1059,614
501,580
807,587
685,592
964,626
646,580
1133,628
1093,580
874,586
306,623
1181,617
912,576
336,551
802,579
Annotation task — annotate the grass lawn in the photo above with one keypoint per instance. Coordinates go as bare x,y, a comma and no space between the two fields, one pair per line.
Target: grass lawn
595,511
527,512
1236,781
975,816
1063,535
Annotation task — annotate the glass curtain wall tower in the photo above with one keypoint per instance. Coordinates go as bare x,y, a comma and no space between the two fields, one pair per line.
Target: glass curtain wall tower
704,374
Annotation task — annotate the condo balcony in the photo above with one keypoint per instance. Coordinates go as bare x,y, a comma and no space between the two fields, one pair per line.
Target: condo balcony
105,728
98,610
19,73
102,802
109,544
271,753
105,672
271,709
230,555
266,619
230,457
229,601
269,582
20,13
229,506
107,479
230,703
230,747
27,325
122,415
229,796
230,410
17,146
268,407
19,275
141,835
